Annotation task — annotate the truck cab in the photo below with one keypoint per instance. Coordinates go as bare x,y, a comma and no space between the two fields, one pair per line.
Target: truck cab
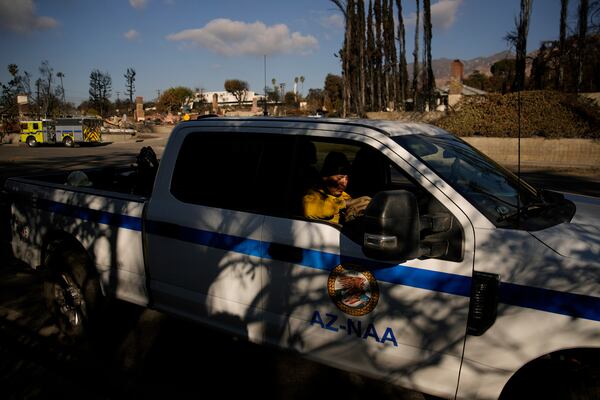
439,279
39,131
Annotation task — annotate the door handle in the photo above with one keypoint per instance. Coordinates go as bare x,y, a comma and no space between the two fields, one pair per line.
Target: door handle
284,252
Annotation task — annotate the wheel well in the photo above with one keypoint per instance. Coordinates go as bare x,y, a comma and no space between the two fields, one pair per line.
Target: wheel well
551,371
57,240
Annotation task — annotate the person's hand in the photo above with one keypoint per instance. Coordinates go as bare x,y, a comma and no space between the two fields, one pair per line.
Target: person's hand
356,207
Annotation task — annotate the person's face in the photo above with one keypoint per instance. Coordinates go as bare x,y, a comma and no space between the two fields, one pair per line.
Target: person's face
335,184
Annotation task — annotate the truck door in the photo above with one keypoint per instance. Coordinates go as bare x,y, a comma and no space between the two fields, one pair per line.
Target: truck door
204,244
325,298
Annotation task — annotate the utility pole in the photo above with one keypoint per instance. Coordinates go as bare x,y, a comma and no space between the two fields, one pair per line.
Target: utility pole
265,109
282,87
37,96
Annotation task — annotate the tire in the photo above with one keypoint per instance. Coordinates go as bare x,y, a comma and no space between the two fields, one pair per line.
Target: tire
553,379
31,142
68,141
72,292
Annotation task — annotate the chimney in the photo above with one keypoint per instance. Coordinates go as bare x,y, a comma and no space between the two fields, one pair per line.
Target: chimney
456,71
139,109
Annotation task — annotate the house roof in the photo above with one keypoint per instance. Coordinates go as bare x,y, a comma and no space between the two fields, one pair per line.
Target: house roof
466,90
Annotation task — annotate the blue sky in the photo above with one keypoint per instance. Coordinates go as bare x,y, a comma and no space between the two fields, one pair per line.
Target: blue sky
200,44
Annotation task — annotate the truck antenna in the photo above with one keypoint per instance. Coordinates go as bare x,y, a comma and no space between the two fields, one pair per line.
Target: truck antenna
519,157
265,109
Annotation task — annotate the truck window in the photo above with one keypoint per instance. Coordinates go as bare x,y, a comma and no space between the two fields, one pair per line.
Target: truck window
36,126
505,200
369,172
234,171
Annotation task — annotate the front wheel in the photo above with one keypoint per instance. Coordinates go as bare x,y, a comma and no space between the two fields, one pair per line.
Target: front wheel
72,293
31,142
567,379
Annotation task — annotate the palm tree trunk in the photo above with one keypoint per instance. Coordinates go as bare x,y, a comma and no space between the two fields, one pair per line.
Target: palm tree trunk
429,68
581,38
560,76
415,83
371,62
402,72
378,55
521,47
360,19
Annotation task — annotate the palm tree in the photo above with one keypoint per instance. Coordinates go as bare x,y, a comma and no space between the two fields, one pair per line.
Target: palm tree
415,82
402,69
347,10
519,39
429,80
60,76
302,84
582,27
560,84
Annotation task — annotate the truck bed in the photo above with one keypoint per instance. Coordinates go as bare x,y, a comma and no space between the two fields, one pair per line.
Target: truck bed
106,218
109,180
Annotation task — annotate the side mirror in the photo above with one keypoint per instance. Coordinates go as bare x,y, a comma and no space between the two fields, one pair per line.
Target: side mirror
392,226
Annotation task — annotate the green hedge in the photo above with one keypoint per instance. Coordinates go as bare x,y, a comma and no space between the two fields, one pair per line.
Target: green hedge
543,113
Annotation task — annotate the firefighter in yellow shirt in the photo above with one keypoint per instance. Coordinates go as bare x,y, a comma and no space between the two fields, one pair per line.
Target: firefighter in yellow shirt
328,200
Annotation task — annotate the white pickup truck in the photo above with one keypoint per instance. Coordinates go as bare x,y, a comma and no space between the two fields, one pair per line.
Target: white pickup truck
459,280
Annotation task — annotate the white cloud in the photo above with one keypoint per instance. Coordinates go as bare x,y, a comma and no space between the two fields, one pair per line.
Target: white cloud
131,34
138,4
20,16
443,14
230,38
333,21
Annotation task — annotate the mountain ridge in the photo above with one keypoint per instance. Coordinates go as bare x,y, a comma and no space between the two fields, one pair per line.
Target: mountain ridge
442,66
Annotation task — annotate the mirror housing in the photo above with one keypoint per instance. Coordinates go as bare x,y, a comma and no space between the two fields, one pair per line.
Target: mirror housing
392,226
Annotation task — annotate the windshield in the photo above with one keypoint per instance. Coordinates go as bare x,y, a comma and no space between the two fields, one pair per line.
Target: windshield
495,191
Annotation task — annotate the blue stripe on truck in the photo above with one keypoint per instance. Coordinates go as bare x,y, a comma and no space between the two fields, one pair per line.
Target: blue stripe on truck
86,214
570,304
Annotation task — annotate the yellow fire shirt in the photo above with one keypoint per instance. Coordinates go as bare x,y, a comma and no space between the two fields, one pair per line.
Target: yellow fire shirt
323,206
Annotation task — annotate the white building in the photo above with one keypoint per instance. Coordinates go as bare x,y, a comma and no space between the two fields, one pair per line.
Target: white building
226,98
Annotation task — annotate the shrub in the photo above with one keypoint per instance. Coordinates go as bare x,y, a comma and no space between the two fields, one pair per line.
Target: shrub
543,113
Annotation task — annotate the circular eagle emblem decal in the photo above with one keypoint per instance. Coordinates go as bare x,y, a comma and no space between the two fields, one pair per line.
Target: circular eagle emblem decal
353,290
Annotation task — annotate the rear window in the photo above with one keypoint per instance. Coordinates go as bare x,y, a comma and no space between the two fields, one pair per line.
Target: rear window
234,171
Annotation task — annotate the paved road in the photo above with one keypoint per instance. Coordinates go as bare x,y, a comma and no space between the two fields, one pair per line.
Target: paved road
143,353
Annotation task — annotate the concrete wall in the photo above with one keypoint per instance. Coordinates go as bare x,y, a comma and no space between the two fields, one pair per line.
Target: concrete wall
571,153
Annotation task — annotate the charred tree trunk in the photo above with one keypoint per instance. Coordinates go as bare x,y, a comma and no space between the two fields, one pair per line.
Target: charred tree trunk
429,78
402,70
371,59
581,38
415,82
521,44
560,76
360,24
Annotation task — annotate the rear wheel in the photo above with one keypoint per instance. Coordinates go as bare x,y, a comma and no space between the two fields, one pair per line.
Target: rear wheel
68,141
31,142
72,292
